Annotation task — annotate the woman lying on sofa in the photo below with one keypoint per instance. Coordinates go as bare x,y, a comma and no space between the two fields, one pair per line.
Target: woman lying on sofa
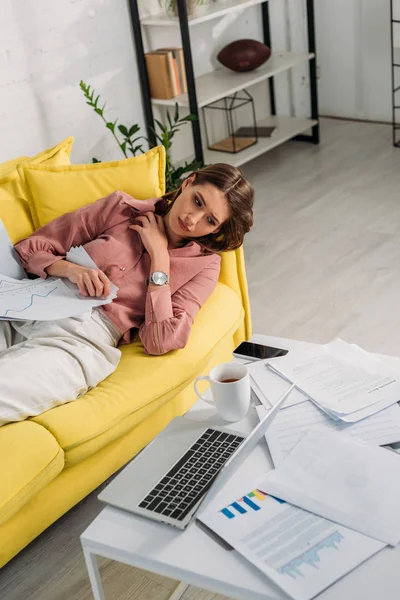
162,255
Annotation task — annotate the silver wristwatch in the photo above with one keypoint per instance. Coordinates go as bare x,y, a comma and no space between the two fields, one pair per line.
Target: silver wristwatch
159,278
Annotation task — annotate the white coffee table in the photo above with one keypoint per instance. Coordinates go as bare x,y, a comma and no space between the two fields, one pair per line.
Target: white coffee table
193,558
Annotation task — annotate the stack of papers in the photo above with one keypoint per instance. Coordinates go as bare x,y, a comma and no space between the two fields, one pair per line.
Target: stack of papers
9,264
47,299
301,552
344,480
292,423
341,379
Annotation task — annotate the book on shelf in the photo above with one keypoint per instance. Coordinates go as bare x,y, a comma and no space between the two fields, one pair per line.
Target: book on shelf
166,72
179,63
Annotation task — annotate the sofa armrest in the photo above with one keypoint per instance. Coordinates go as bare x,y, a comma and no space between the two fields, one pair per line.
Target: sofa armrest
233,274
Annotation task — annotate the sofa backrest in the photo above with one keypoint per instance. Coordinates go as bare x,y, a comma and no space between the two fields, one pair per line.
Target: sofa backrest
16,216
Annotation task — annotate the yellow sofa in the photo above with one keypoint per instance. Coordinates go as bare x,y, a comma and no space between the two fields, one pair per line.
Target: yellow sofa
51,462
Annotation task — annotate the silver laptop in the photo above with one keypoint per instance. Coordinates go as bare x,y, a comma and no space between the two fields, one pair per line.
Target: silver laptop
170,478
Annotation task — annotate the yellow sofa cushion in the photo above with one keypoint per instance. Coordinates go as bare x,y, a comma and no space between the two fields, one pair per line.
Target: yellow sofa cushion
8,167
141,383
54,191
14,208
31,458
15,214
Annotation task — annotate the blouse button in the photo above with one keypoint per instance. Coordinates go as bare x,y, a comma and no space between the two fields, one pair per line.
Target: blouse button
123,268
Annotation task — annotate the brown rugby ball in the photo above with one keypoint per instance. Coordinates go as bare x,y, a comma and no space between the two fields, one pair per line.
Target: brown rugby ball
244,55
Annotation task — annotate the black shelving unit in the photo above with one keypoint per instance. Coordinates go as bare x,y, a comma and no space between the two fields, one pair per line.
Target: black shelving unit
395,78
191,82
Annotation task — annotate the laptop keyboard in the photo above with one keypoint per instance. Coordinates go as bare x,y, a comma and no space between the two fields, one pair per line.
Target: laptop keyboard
189,479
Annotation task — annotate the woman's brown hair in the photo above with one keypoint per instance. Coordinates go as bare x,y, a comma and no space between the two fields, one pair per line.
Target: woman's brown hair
240,196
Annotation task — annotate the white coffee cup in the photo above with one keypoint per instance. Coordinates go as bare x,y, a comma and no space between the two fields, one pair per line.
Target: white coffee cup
230,387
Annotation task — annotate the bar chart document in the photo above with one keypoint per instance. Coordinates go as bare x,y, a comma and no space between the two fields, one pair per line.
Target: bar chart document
299,551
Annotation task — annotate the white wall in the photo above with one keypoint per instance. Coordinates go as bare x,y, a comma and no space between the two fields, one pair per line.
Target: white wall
354,56
46,48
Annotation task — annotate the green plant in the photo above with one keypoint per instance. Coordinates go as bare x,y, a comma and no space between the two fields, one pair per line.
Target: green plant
128,143
163,134
170,6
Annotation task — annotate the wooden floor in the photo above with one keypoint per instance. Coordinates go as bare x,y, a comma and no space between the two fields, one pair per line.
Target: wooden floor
322,261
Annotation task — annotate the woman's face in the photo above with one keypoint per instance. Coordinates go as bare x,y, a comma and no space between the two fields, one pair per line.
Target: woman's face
199,210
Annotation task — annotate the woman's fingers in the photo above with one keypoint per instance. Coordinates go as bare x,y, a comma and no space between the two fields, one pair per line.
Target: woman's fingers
89,284
98,284
150,216
160,223
142,220
145,220
106,284
137,228
82,288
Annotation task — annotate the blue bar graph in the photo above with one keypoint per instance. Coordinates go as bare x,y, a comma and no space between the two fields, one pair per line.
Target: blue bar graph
242,505
239,508
227,513
250,503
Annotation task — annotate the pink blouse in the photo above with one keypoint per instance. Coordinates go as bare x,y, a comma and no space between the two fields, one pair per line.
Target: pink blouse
164,316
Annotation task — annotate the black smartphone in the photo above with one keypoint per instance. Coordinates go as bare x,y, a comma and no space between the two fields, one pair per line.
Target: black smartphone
254,351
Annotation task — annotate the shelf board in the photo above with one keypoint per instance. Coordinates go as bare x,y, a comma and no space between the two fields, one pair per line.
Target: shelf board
396,55
202,14
286,128
222,82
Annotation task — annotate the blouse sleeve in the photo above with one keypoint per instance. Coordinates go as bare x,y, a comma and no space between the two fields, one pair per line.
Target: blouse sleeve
51,242
169,319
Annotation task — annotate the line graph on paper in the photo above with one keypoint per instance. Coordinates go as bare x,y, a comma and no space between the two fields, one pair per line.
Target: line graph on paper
40,300
30,303
311,556
18,301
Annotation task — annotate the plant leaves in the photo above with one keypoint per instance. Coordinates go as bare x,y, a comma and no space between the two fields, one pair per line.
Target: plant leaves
99,112
134,129
111,126
95,160
136,149
176,116
169,120
160,125
123,130
189,118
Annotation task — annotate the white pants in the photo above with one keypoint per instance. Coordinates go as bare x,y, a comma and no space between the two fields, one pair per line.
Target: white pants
47,363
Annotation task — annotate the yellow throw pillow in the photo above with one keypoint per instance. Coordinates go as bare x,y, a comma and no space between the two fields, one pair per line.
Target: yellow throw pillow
10,166
57,155
53,191
14,209
14,212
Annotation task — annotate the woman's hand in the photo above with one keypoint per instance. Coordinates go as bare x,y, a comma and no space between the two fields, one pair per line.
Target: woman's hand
91,282
151,229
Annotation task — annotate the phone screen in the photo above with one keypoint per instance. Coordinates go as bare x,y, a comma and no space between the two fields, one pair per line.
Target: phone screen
259,351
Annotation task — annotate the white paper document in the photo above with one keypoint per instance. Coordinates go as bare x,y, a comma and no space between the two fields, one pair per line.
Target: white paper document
342,379
301,552
270,386
290,424
9,264
342,479
79,256
44,300
48,299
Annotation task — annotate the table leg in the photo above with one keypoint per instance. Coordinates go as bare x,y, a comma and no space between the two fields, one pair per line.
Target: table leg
94,574
178,593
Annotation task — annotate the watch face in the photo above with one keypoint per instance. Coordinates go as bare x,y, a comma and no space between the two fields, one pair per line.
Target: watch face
159,278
